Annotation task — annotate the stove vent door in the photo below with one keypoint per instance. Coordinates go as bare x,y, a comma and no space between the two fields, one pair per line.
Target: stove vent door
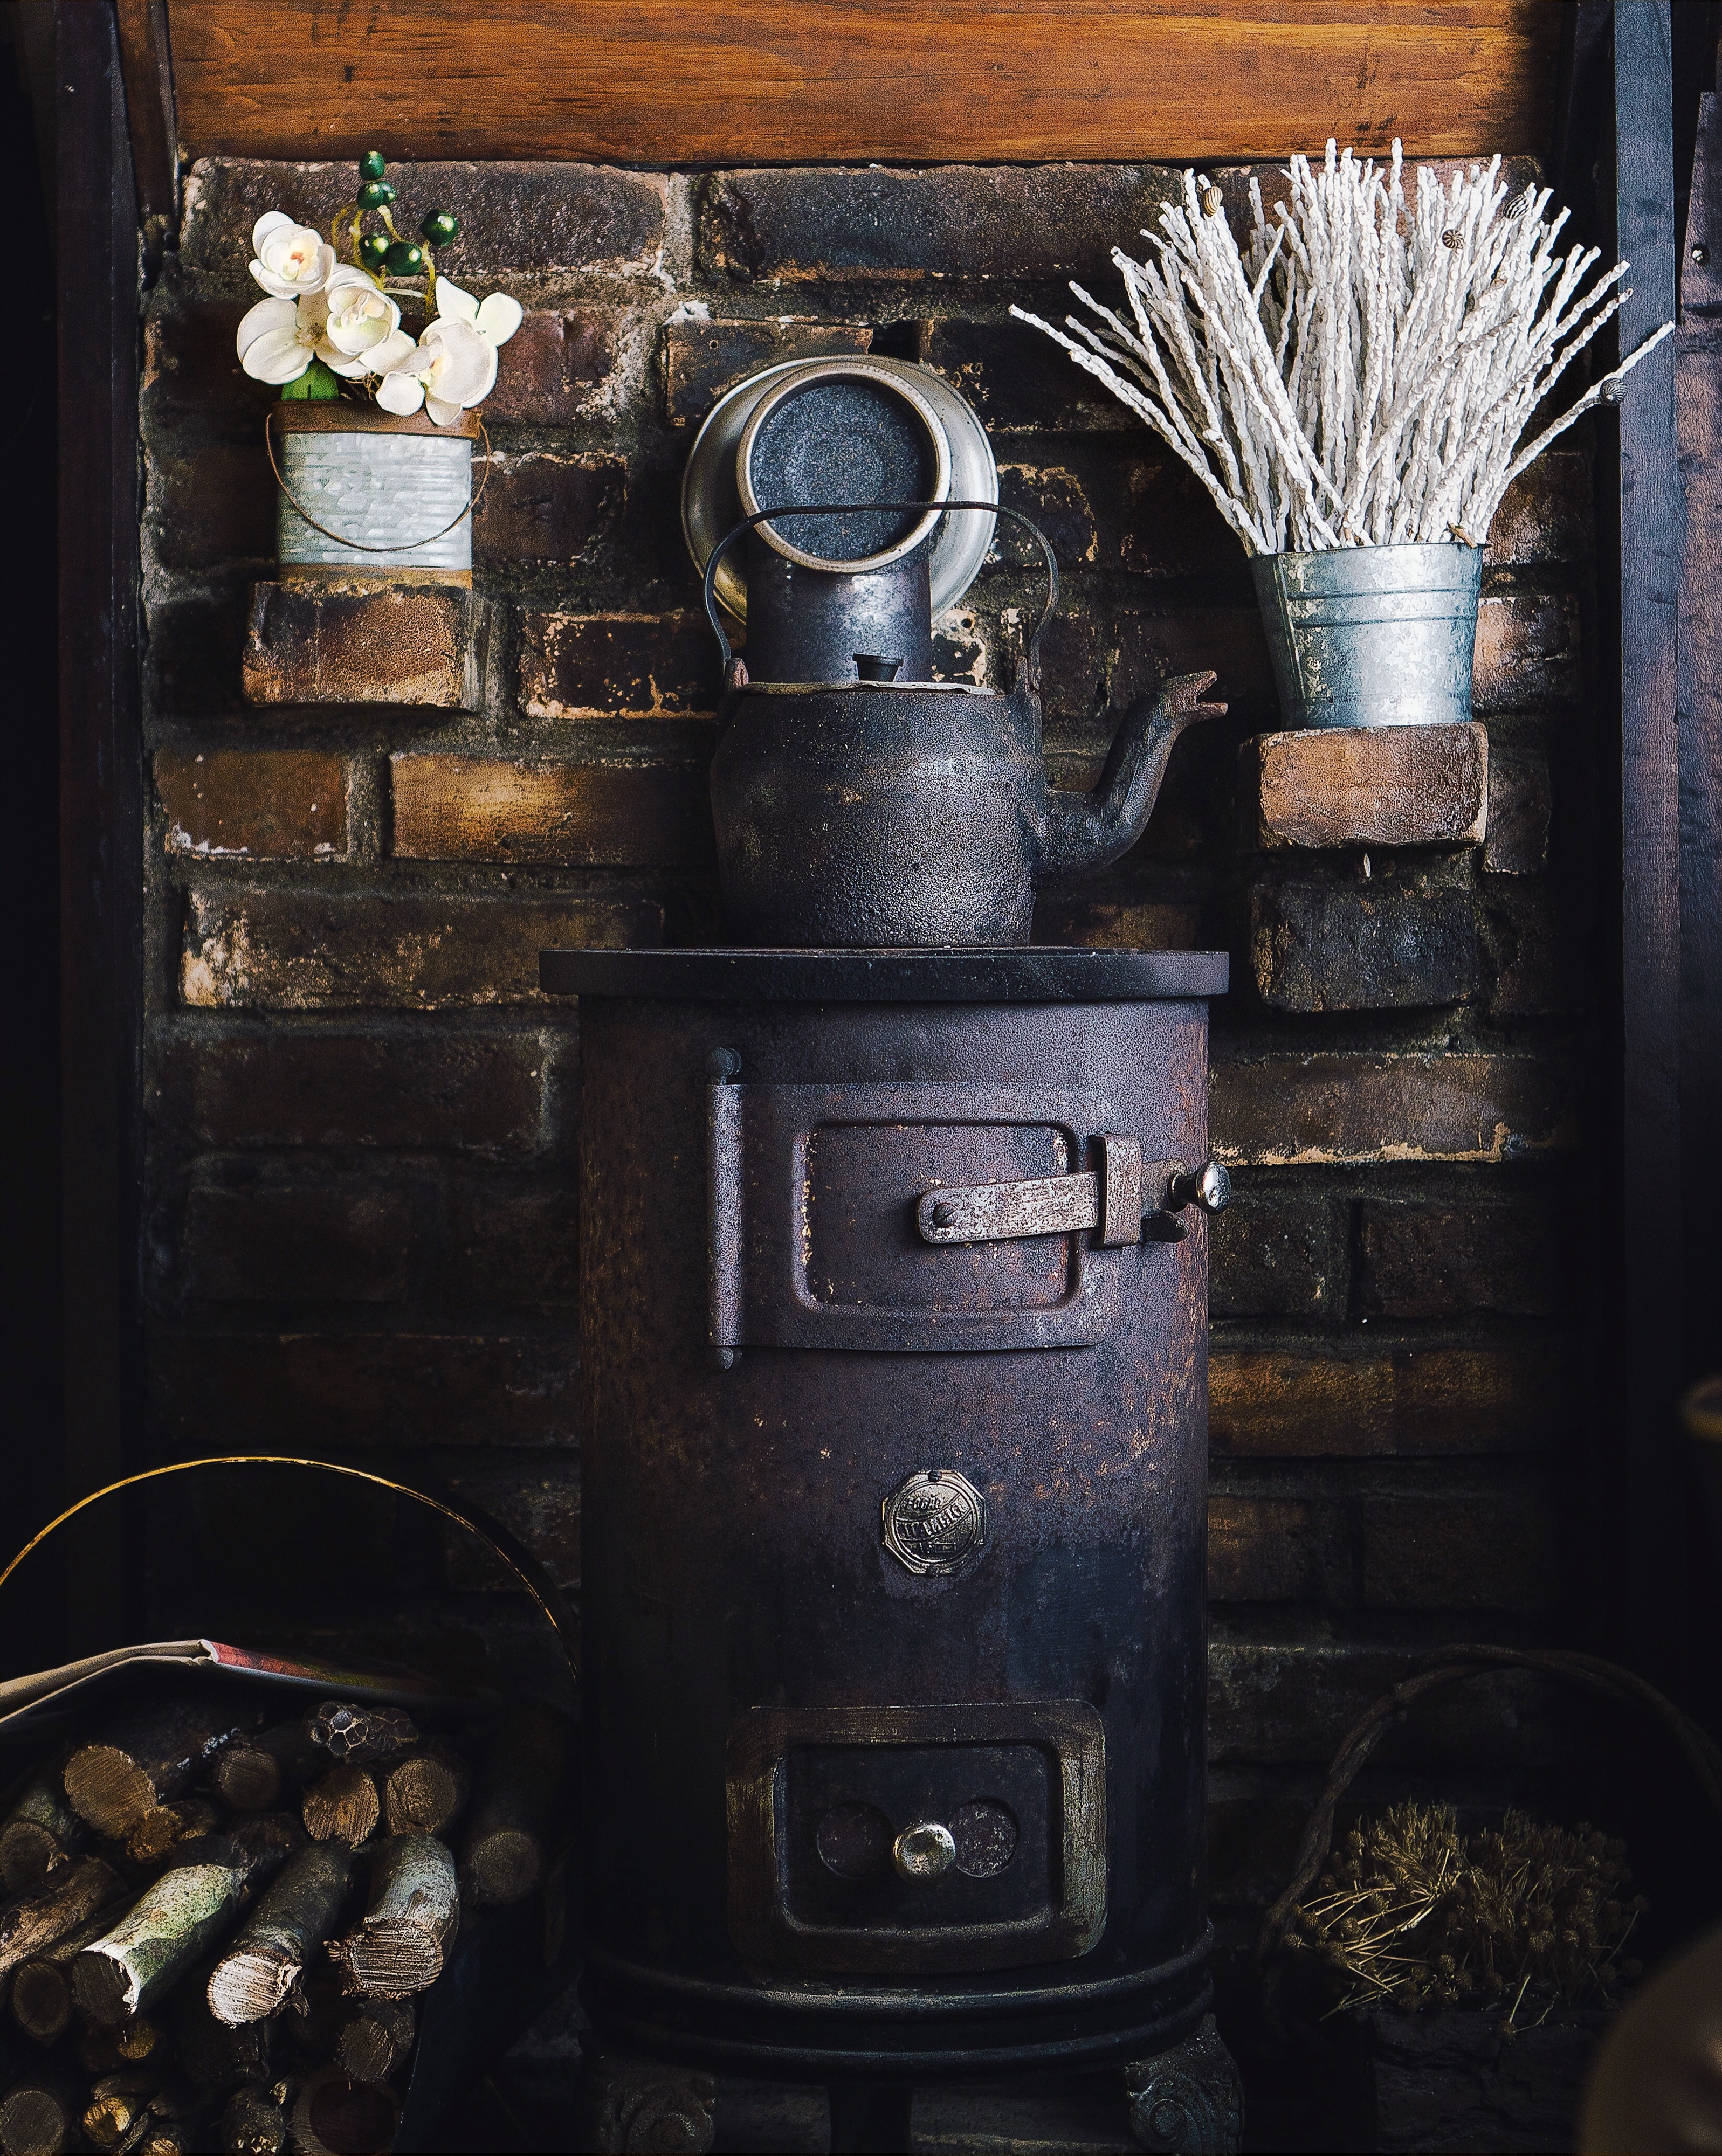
814,1235
913,1840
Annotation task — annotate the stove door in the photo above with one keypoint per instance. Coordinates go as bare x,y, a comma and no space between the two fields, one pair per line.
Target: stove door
918,1839
814,1242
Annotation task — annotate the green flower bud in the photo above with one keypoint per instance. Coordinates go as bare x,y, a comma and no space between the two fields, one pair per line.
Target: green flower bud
371,166
440,226
405,258
375,193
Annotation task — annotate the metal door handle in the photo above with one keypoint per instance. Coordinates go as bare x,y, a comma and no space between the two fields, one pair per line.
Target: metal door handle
1116,1198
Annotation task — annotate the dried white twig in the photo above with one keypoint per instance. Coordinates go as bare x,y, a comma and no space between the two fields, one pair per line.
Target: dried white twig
1361,373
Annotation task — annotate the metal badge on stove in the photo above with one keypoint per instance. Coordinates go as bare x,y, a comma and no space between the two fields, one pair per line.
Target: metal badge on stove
935,1521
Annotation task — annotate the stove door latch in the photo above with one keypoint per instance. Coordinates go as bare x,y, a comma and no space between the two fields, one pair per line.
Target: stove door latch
1125,1197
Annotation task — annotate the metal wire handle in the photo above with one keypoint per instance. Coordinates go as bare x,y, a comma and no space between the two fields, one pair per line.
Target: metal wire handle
359,545
849,509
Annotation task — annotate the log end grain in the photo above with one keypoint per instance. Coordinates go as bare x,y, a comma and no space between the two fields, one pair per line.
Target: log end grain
247,1779
389,1957
41,2000
335,2112
250,1985
27,1850
107,1789
253,2124
423,1795
104,1989
343,1806
502,1866
376,2039
36,2119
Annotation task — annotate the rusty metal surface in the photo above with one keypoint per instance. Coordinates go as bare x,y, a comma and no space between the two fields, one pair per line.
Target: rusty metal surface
1045,973
735,1561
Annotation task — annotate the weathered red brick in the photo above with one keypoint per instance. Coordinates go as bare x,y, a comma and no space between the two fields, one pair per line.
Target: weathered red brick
620,812
1287,1109
1152,645
633,665
1270,1548
1520,802
843,224
1277,1251
399,643
308,1391
271,805
1494,1550
1539,940
192,370
539,1505
298,1242
1442,1258
703,359
481,1093
1366,786
539,507
517,1249
1528,651
1546,514
261,950
557,366
211,505
592,218
1017,379
1336,1399
1374,946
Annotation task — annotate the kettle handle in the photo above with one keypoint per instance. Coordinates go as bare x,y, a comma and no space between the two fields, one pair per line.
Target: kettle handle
849,509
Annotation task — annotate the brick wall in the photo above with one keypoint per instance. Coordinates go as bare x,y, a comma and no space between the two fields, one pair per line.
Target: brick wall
361,1115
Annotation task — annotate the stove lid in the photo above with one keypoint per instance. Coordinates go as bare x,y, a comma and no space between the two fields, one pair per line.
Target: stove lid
1044,973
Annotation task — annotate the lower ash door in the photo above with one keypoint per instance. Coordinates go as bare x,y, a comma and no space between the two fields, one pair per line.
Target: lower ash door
916,1839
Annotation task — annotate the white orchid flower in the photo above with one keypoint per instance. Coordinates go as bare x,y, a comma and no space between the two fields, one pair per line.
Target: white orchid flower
364,335
451,368
292,259
495,320
278,339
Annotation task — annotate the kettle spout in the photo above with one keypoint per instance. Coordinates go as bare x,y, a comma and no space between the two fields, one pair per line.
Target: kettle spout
1086,830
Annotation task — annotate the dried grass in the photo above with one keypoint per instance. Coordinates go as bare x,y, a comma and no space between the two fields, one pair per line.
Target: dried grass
1361,374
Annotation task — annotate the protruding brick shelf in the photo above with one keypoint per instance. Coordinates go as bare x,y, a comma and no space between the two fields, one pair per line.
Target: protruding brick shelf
1366,786
395,644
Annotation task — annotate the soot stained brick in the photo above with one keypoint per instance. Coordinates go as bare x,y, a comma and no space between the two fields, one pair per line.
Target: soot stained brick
1545,515
1286,1109
539,507
212,505
1431,1259
538,1502
1119,925
619,813
703,359
557,367
1539,940
517,1248
644,665
468,1092
1527,651
303,951
1016,377
1271,1549
847,223
308,1242
583,218
1317,947
1491,1550
1277,1253
1520,803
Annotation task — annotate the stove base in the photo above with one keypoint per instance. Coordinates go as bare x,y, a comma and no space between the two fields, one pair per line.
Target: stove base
1183,2102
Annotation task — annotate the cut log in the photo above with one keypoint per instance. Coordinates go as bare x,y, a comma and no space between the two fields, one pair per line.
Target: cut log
41,1986
253,1773
162,2137
414,1910
335,2114
424,1794
212,2056
70,1895
118,2104
376,2039
162,1825
122,2050
343,1806
514,1816
173,1923
38,2116
41,1830
253,2124
147,1757
294,1918
359,1736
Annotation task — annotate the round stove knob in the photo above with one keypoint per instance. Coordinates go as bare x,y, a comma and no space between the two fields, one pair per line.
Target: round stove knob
924,1850
1209,1189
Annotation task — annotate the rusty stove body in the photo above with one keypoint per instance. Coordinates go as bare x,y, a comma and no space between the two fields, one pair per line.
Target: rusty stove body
893,1342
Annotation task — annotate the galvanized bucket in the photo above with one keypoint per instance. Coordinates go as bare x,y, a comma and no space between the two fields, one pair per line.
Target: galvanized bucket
367,493
1372,636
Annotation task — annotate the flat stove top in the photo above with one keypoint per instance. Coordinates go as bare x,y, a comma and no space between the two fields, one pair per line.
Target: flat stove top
1048,973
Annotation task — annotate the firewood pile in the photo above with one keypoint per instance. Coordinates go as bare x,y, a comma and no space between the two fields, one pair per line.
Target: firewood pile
217,1933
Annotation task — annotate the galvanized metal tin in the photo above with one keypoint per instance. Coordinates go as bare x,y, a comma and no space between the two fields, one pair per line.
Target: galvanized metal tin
919,1554
388,492
1372,636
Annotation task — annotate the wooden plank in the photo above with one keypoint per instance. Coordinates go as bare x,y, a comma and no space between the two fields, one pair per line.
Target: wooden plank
916,81
148,74
1646,1440
101,785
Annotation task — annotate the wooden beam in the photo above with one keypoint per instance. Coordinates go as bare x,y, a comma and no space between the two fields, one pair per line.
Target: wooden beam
1643,666
912,81
147,68
101,785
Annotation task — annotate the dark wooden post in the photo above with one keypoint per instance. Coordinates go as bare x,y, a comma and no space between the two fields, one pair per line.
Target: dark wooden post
100,774
1640,667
